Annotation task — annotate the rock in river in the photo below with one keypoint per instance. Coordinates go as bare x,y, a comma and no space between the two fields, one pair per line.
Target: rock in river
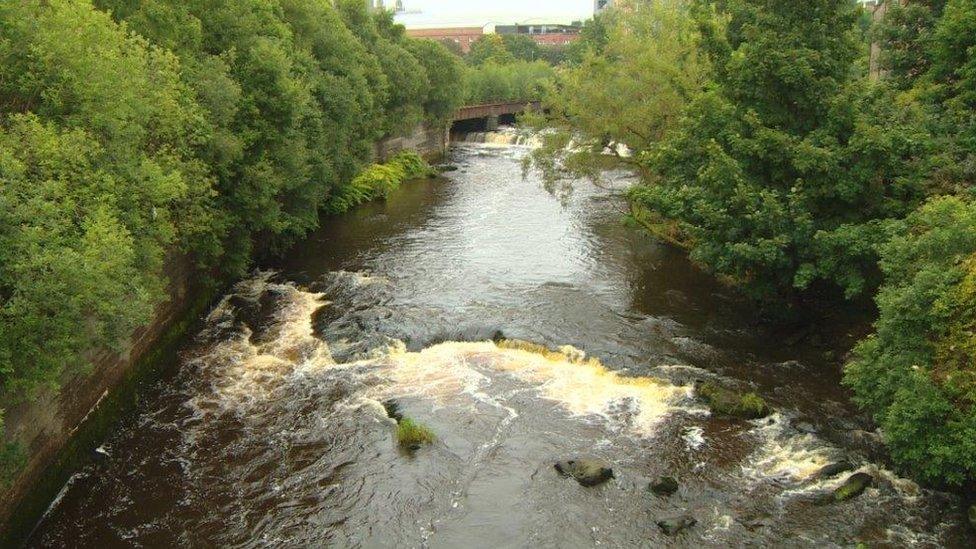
674,525
832,469
664,486
853,486
727,402
588,472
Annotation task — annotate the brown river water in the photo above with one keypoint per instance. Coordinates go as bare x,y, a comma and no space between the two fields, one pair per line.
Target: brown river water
271,430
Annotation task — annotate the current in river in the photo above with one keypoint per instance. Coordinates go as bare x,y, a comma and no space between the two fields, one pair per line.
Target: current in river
271,431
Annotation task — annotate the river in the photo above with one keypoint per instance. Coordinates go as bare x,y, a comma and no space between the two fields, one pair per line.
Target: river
271,430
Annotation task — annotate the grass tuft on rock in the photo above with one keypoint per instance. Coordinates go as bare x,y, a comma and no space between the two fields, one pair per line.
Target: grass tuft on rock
730,403
413,435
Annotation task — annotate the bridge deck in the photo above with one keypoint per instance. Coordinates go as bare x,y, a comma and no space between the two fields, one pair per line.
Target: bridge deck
485,110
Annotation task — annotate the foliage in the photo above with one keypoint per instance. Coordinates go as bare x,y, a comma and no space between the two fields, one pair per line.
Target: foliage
904,37
782,172
490,48
522,47
628,89
915,374
137,128
378,181
96,159
411,434
515,81
445,72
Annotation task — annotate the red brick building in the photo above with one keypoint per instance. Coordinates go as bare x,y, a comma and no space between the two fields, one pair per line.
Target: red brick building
554,39
462,36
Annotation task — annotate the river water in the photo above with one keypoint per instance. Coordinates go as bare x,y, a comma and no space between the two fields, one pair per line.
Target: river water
271,430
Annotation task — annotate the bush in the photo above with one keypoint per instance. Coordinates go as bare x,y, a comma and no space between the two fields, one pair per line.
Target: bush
726,402
917,373
378,181
412,435
514,81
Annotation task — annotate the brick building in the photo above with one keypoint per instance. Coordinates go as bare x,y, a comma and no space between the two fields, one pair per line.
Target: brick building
462,36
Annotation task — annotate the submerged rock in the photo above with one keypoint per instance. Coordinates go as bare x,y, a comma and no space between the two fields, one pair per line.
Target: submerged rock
664,486
834,469
853,486
674,525
392,408
587,472
803,426
727,402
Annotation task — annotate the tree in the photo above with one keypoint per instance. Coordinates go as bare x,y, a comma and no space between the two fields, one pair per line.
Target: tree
515,81
782,172
156,127
522,47
628,87
489,48
445,72
915,374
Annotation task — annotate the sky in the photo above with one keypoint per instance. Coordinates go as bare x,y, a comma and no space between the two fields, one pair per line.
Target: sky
500,12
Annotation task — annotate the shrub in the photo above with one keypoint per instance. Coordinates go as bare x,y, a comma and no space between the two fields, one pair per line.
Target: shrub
726,402
378,181
917,373
412,435
515,81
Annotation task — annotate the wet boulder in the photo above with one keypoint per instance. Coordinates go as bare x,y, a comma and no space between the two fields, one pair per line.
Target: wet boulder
804,426
587,472
675,525
392,408
664,487
853,486
833,469
727,402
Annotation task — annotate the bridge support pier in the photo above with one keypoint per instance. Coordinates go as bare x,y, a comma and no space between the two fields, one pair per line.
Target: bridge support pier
491,123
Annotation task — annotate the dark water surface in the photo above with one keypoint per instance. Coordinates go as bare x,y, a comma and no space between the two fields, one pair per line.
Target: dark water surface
272,432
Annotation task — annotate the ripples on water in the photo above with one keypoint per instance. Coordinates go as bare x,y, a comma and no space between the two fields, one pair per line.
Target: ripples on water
272,432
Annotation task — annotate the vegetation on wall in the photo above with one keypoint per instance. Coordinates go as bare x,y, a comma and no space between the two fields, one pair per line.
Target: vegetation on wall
378,181
131,129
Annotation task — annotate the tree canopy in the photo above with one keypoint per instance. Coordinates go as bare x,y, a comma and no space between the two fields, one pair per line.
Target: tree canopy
131,130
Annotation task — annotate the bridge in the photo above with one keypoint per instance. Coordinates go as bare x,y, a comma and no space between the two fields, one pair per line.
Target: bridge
486,116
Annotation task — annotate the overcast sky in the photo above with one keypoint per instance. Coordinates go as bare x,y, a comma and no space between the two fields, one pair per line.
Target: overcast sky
481,12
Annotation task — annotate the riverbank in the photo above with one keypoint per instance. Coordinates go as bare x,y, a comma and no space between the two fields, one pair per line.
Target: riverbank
59,431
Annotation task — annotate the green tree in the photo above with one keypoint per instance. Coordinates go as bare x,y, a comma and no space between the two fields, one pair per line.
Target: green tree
915,374
490,48
445,72
99,180
515,81
522,47
782,172
630,90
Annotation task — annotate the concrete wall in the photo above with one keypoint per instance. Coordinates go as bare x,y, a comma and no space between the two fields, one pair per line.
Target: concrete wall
429,141
46,426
